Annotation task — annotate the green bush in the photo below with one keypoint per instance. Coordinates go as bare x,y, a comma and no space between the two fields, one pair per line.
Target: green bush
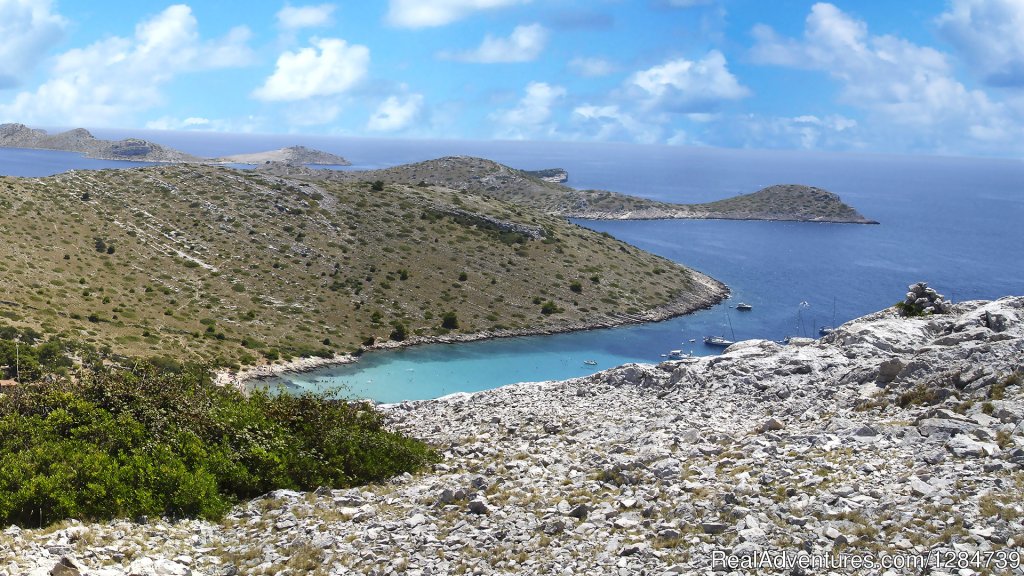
449,321
549,307
122,444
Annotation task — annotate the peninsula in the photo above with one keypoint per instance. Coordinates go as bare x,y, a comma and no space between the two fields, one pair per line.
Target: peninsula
240,267
791,202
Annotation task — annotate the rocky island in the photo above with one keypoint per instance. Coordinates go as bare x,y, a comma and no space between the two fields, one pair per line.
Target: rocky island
83,142
289,155
894,439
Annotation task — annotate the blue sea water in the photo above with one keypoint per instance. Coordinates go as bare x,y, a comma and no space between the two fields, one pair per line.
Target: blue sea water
957,223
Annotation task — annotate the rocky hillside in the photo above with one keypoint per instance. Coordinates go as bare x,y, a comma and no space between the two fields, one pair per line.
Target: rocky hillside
893,439
480,176
81,141
290,155
227,266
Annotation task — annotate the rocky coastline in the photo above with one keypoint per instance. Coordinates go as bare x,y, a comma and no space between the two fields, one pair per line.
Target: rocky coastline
892,441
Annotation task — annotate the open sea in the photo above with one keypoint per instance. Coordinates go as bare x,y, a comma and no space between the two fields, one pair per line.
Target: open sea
957,223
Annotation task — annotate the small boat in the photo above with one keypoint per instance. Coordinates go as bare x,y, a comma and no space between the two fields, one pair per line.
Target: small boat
826,330
744,306
590,362
717,341
693,339
680,355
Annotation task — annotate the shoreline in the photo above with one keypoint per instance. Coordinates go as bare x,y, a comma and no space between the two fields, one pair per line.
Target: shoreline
608,217
711,292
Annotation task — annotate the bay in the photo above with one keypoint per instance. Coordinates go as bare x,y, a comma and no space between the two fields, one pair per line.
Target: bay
954,222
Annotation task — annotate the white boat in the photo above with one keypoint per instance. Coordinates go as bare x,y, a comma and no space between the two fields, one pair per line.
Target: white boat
717,341
590,362
744,306
680,355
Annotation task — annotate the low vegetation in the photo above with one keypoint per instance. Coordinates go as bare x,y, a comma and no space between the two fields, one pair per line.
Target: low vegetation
485,177
124,443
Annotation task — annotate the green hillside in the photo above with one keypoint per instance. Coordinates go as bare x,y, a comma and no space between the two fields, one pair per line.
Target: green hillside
214,264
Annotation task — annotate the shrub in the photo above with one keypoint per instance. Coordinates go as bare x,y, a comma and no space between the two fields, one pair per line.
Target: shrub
549,307
123,444
449,321
400,332
576,287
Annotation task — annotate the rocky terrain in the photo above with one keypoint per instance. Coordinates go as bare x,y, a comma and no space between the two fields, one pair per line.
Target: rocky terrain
893,440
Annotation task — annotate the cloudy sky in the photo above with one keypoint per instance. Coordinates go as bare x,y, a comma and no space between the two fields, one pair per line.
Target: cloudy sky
917,76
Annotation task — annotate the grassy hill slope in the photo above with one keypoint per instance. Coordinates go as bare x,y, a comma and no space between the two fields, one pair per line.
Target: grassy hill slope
480,176
215,264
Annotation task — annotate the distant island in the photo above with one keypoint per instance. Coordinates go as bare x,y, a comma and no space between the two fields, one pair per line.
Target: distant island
83,142
289,155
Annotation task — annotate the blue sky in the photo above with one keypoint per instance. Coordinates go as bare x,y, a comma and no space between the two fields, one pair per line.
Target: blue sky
916,76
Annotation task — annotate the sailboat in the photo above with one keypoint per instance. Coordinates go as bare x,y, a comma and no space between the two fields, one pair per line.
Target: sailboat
721,340
826,330
799,322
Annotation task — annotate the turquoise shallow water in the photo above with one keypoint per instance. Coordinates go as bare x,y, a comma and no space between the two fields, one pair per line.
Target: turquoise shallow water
954,222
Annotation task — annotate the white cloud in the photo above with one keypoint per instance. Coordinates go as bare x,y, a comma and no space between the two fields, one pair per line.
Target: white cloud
27,30
990,33
523,45
296,17
427,13
394,114
687,86
591,67
532,114
102,83
909,90
171,123
609,122
330,67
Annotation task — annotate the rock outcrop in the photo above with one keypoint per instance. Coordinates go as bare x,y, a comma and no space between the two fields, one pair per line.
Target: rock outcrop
892,440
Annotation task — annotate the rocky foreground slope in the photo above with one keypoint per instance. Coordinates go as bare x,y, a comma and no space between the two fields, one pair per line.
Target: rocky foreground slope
891,440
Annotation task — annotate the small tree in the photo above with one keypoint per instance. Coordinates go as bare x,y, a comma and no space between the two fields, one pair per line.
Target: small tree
449,321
